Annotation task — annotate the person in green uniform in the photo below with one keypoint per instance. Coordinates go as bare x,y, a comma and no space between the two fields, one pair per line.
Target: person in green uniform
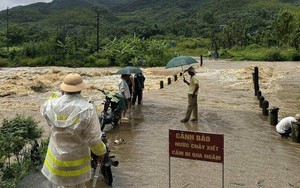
192,96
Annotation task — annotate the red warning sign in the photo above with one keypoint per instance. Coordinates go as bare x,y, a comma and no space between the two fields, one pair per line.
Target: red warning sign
196,145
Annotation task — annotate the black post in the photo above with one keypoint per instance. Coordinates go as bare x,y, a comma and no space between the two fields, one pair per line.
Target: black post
169,81
261,100
256,85
296,132
201,60
161,84
274,115
258,94
175,77
180,74
265,106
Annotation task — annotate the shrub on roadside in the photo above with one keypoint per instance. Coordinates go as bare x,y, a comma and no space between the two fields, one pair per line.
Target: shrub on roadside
15,135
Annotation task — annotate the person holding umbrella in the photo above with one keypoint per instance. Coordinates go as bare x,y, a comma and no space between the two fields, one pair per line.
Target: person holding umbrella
192,96
124,89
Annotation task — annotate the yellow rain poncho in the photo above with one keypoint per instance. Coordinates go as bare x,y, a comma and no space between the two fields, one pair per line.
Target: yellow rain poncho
75,129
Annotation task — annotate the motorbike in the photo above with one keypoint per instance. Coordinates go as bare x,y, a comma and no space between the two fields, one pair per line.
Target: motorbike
111,112
105,167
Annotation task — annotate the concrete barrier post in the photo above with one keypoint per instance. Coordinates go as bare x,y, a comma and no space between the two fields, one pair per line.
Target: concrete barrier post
256,84
161,84
265,106
261,100
201,60
274,115
258,94
296,132
169,81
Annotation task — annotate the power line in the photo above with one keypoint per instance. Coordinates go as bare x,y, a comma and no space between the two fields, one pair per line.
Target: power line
98,29
7,32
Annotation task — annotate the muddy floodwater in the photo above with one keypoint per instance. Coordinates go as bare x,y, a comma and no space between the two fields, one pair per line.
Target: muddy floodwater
254,154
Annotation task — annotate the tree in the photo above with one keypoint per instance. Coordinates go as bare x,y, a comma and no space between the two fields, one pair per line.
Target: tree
285,27
15,133
17,35
209,18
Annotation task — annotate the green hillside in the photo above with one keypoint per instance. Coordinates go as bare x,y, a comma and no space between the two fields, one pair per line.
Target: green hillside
203,24
170,16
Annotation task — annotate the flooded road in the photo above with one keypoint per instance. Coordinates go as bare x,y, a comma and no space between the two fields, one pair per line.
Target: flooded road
255,155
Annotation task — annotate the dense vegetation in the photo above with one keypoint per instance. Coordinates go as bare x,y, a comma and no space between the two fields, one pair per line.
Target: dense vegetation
138,32
134,32
16,158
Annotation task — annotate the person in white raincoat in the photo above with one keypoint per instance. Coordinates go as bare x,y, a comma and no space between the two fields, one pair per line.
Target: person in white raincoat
284,127
75,130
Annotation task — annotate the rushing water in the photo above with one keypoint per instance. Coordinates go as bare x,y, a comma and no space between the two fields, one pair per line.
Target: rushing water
255,155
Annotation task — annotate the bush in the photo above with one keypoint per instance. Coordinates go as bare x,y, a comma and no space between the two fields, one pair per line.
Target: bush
30,50
4,62
225,54
296,56
292,54
15,134
90,61
253,47
102,63
274,56
3,53
38,61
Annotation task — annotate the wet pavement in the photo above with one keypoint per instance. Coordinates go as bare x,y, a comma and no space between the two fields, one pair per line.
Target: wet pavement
255,155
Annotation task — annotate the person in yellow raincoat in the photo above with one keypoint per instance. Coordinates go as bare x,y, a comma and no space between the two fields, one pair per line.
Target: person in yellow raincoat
75,131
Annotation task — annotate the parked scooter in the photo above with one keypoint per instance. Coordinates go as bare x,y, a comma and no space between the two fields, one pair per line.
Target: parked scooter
111,112
105,167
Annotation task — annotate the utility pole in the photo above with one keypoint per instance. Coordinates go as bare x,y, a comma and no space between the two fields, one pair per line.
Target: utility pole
7,32
98,22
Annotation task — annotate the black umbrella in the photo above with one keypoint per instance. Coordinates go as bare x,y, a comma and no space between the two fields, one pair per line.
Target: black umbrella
180,61
129,70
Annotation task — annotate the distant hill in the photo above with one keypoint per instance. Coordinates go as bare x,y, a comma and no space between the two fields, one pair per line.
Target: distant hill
136,5
67,4
145,17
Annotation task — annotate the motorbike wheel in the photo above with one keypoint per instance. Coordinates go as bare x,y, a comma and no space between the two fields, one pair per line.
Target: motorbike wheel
106,172
94,162
115,121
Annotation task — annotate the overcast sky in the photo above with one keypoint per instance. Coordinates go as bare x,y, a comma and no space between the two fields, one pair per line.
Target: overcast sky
12,3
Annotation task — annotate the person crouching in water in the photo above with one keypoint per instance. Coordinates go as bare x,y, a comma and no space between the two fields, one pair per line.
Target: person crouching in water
75,131
125,92
284,127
